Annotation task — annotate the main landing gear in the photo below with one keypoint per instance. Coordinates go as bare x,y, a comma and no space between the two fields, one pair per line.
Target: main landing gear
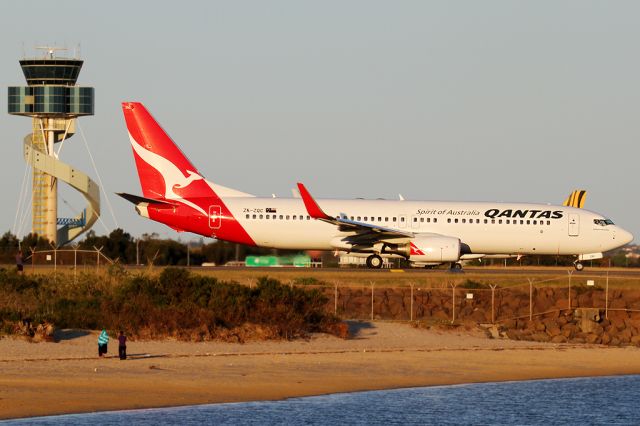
374,261
578,265
456,266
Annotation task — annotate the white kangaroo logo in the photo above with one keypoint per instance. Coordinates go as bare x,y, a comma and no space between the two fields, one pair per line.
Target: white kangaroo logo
173,177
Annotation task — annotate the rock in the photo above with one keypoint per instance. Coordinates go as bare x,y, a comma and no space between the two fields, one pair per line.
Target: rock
539,337
569,330
539,326
559,339
554,331
606,338
593,338
635,340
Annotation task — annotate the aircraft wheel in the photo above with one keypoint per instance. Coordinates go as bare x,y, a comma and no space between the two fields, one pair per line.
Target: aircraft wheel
374,261
579,266
457,266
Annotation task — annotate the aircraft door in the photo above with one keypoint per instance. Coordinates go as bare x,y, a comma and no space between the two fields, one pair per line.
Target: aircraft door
215,217
415,222
574,224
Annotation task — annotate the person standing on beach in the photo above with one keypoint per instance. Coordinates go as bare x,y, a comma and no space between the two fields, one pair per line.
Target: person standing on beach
122,345
103,340
19,262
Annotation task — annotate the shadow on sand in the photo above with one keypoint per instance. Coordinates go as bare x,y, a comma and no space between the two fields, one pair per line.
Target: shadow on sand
69,334
356,328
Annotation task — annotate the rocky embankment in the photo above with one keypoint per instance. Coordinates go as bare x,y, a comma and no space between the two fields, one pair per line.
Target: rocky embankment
557,314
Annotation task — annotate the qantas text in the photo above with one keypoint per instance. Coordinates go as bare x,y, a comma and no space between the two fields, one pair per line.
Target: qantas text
531,214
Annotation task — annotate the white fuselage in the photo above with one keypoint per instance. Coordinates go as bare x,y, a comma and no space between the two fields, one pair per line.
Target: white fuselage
487,228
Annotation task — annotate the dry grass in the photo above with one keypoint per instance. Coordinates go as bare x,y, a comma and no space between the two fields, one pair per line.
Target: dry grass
441,278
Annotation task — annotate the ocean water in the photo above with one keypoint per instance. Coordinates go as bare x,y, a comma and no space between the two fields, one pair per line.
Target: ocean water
584,401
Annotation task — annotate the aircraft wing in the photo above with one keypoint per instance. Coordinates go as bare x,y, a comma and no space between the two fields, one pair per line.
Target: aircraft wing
364,232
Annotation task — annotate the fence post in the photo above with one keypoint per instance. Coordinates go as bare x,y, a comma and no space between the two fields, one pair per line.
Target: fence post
453,303
606,299
570,273
335,299
493,302
33,259
75,264
530,299
371,300
411,305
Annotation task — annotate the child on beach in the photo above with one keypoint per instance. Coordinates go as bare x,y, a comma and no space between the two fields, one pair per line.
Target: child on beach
103,339
122,345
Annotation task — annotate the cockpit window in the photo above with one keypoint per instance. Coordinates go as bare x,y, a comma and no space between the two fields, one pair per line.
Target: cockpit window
603,222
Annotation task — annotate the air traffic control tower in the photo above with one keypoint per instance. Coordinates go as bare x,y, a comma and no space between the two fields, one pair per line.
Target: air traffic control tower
53,101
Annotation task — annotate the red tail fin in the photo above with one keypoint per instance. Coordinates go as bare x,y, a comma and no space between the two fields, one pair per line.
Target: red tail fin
162,167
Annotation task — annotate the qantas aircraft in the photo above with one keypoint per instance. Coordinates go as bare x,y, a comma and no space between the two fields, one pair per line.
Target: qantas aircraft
423,232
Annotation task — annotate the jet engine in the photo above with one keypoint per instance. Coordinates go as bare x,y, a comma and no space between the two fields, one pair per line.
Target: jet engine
435,248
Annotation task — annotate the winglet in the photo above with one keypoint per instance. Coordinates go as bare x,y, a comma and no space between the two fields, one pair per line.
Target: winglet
312,207
576,199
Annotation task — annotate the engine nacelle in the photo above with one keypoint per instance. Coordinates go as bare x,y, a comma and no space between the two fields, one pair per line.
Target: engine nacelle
435,248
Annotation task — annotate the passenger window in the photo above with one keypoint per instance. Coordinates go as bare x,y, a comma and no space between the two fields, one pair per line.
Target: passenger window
528,222
267,217
287,217
493,221
548,222
415,219
260,216
280,217
535,222
247,216
393,219
365,218
351,217
422,219
521,222
464,220
386,219
486,221
499,221
508,222
254,216
449,220
359,218
456,220
402,219
379,219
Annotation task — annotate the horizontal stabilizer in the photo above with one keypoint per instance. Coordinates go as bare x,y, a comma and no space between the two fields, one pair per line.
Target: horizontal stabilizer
136,199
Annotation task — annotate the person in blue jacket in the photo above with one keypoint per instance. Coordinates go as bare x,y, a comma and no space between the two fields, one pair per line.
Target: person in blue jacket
103,340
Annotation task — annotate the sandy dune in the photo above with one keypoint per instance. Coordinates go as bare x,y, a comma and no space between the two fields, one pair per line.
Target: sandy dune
66,377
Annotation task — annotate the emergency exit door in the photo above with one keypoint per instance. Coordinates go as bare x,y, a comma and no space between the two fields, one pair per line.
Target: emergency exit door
574,224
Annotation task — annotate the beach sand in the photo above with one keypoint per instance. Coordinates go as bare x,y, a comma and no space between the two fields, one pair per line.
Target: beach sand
67,377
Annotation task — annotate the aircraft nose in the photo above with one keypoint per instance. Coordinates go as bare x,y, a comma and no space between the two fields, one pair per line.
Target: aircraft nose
623,236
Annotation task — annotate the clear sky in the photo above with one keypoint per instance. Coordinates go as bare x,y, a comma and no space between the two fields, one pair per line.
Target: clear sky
464,100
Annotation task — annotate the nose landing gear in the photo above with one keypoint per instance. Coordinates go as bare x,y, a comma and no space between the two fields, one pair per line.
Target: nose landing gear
578,265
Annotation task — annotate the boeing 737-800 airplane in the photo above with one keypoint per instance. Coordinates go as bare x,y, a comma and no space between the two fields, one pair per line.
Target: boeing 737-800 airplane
424,232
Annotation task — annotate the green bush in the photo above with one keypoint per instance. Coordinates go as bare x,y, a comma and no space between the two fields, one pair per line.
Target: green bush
176,303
